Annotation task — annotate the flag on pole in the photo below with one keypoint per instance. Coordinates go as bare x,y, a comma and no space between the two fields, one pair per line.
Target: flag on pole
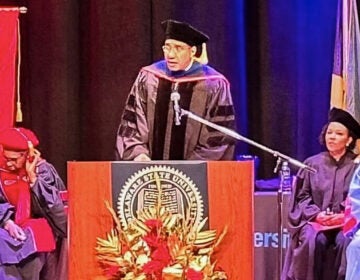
345,87
8,71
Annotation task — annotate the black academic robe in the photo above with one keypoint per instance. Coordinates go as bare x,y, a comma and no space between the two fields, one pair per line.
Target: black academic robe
315,192
147,125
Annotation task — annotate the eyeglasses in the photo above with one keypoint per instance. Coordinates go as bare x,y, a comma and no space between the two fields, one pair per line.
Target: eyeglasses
175,48
14,159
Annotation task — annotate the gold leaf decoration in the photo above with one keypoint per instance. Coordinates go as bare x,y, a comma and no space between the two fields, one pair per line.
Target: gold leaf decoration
159,245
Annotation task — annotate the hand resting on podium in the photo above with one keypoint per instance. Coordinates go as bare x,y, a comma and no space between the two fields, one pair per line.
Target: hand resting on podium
142,157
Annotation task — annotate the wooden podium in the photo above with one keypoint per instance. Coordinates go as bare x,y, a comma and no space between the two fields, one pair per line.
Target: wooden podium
230,202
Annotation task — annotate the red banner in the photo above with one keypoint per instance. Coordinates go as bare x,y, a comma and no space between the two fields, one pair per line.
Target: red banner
8,51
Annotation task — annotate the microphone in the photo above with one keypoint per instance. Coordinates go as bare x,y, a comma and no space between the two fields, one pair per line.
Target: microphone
175,97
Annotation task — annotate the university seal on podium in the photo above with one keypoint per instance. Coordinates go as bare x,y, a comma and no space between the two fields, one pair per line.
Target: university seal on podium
179,193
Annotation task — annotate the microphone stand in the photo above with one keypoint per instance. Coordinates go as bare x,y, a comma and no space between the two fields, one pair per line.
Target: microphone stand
280,203
237,136
175,97
281,158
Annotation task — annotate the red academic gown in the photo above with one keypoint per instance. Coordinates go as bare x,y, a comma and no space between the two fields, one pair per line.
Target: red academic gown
39,210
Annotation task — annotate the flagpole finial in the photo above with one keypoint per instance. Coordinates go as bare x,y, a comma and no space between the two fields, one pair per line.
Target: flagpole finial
23,10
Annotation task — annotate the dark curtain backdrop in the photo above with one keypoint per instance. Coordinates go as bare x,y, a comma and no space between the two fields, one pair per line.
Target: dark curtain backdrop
79,59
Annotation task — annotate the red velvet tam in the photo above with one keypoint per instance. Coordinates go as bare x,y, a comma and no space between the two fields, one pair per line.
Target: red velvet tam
18,139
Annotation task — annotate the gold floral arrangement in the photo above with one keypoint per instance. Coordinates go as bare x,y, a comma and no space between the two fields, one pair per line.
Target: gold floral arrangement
159,245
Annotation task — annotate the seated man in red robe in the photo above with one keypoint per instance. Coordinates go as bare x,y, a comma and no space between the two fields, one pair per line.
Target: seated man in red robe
32,216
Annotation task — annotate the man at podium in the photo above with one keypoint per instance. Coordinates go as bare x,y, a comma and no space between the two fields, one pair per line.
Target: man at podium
152,127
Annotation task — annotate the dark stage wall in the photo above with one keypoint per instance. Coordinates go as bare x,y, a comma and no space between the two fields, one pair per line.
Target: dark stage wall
79,59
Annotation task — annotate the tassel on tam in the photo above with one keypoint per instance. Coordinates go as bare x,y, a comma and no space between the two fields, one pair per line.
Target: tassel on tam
19,115
203,58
